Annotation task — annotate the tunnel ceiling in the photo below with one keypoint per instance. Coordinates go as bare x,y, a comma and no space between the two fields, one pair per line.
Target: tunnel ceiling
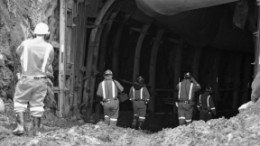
211,26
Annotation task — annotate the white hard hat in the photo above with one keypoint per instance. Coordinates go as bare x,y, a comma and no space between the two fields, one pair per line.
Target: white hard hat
108,72
41,28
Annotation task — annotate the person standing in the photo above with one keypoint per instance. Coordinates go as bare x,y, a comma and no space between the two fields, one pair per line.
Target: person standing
140,97
206,106
36,55
186,90
108,90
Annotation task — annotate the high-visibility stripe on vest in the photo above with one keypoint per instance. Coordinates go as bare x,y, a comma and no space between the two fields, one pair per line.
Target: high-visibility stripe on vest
191,86
141,93
104,90
179,93
208,101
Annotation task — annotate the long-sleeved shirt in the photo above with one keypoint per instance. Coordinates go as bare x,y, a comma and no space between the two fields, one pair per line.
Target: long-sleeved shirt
36,55
108,89
187,89
141,94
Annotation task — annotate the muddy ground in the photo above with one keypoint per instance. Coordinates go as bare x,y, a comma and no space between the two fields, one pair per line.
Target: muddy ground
242,129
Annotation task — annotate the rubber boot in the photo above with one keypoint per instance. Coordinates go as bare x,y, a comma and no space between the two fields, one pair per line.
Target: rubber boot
36,126
113,122
19,130
140,125
134,123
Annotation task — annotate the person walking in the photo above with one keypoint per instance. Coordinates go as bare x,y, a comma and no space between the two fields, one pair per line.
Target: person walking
36,55
186,90
205,105
108,90
140,97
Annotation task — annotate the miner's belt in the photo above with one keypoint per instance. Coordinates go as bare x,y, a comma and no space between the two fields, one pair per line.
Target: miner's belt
108,100
185,101
139,100
34,77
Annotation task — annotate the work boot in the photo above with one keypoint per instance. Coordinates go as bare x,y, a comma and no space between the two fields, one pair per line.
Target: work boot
19,130
134,123
36,126
113,122
140,125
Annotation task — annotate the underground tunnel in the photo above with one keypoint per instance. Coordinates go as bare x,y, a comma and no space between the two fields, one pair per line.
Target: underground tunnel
216,41
131,38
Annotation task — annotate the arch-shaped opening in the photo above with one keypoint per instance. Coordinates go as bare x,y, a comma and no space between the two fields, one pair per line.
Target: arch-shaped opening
213,50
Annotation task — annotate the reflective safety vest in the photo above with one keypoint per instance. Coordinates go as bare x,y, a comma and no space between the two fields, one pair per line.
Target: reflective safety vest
200,102
141,93
104,90
189,93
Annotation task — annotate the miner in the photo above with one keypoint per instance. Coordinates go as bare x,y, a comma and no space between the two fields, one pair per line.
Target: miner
186,90
108,90
140,97
205,105
36,55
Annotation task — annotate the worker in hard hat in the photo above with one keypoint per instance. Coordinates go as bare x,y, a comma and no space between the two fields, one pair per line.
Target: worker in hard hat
140,97
108,90
206,105
186,90
36,55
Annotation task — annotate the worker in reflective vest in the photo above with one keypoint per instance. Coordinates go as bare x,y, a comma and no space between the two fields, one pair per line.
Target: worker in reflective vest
36,55
186,90
108,90
206,106
139,96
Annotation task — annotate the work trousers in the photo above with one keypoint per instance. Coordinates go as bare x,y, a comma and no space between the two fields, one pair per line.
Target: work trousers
32,91
205,115
111,110
185,111
139,109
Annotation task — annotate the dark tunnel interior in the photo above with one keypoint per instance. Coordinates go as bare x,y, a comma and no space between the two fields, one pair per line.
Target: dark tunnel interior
204,42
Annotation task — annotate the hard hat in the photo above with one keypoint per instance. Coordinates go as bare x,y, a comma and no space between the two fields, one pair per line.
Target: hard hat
108,72
41,29
140,80
209,89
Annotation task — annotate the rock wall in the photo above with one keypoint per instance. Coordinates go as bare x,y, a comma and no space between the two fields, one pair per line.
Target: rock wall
17,21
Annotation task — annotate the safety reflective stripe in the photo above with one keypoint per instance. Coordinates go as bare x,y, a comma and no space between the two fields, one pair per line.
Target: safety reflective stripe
142,118
182,118
208,101
106,116
46,56
188,120
141,93
200,99
213,108
191,86
25,58
133,93
103,89
38,109
179,93
112,119
19,105
113,90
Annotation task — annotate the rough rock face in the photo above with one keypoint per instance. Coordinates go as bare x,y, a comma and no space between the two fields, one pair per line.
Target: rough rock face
17,20
242,130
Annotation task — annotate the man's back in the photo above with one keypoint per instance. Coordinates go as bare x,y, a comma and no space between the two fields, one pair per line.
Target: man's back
36,54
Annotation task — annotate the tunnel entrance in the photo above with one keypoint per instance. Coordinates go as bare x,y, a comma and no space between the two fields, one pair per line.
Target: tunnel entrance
116,35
